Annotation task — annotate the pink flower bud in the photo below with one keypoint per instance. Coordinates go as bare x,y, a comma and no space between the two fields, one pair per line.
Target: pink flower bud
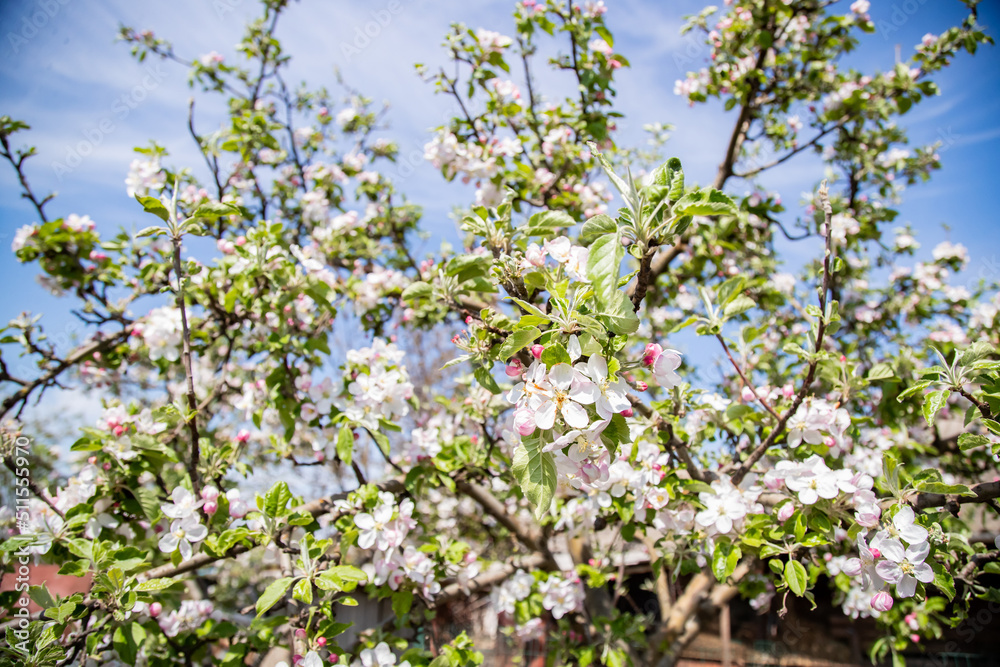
852,567
514,369
243,435
118,430
107,466
468,319
210,507
536,351
627,412
747,395
92,460
882,601
876,554
155,608
914,638
788,391
524,422
829,441
209,493
300,632
786,511
641,386
238,508
651,354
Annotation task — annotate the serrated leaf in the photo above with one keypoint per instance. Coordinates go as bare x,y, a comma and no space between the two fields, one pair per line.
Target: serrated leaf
596,227
517,341
945,489
796,577
967,441
738,306
916,388
345,444
416,290
704,202
933,402
535,472
545,223
621,318
603,266
154,206
880,371
276,500
274,592
485,379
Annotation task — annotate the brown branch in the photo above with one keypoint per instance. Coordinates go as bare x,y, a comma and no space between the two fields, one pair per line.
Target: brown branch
985,492
192,418
495,508
76,356
317,508
779,429
746,380
487,580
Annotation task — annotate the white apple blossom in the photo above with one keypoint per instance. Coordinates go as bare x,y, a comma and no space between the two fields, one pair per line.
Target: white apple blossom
182,535
904,568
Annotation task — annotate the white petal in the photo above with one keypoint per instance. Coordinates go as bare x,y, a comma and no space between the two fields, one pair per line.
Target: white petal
906,586
575,415
561,376
545,416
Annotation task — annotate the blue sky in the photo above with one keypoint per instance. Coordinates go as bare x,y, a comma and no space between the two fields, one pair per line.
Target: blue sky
75,84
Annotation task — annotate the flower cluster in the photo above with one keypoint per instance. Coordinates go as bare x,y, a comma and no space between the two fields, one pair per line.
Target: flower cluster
885,561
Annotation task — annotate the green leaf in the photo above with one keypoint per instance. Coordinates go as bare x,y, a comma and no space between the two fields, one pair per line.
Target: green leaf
276,500
303,591
215,209
126,641
621,318
517,341
555,353
274,592
345,444
796,577
596,227
881,371
914,389
605,35
739,305
155,585
546,223
417,290
402,601
535,472
945,489
485,378
603,266
529,308
933,402
620,185
468,266
724,560
706,201
968,441
154,206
